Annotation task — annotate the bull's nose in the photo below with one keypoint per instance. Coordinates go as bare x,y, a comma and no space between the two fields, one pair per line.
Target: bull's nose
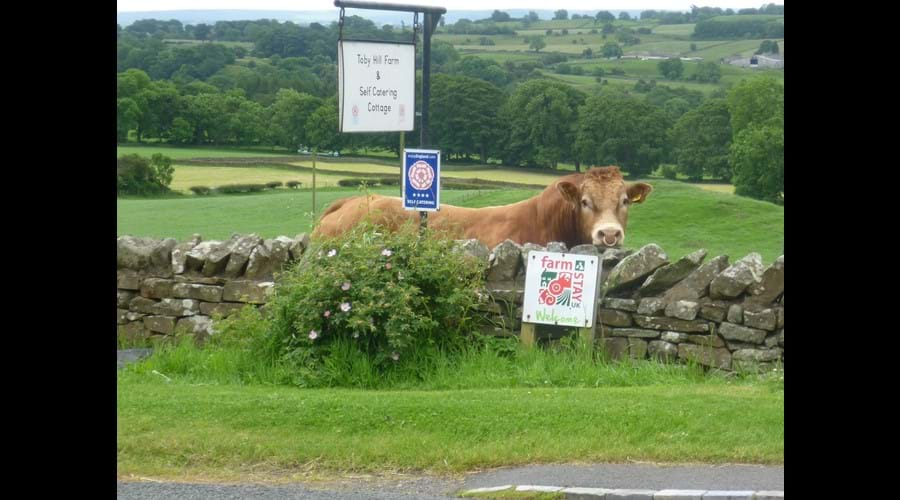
609,237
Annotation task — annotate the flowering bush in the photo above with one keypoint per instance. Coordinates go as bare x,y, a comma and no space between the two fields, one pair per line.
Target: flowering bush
386,294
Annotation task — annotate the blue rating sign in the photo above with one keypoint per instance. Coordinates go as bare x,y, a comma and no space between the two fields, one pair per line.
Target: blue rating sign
422,180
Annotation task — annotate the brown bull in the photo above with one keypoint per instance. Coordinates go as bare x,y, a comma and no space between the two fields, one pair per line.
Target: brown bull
580,208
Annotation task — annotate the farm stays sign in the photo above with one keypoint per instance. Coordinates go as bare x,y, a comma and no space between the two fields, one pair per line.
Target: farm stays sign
376,86
561,289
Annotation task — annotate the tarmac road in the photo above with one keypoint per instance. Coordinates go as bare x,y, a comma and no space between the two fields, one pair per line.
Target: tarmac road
636,476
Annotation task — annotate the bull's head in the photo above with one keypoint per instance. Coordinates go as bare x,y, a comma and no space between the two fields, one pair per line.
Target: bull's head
601,203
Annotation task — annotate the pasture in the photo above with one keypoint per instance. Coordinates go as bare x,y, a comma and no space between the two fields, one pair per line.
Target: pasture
183,153
213,176
679,217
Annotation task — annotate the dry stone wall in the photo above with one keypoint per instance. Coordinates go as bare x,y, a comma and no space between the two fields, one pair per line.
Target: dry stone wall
709,311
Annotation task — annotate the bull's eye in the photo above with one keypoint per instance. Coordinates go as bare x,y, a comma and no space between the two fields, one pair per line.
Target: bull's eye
626,201
584,203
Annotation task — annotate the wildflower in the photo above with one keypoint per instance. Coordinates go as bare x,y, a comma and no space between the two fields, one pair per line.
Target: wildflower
356,335
345,306
388,265
327,313
332,252
313,335
386,252
395,356
345,286
400,276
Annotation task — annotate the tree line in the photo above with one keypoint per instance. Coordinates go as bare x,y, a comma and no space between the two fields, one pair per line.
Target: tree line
480,110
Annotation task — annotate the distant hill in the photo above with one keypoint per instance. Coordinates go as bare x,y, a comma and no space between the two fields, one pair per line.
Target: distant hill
323,16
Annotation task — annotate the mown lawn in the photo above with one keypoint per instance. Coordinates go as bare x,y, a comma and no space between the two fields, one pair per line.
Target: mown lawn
180,430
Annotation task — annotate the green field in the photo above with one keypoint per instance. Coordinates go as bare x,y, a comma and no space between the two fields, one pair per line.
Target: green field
213,176
679,217
183,153
186,430
674,30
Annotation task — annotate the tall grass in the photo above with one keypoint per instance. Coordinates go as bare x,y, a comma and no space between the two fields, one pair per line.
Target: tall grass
486,364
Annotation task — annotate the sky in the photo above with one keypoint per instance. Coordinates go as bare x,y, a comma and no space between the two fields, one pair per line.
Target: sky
150,5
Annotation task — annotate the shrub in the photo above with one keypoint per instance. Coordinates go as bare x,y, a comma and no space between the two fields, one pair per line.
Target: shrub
294,184
554,58
138,175
385,295
564,69
274,184
201,190
448,184
353,182
668,171
240,188
389,181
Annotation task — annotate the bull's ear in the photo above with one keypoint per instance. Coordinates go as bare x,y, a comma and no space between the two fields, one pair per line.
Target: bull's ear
569,192
638,191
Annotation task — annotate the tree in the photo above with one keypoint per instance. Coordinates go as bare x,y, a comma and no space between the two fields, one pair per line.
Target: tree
484,69
621,131
624,16
757,160
498,16
533,16
611,50
701,140
758,100
757,151
605,16
540,117
131,105
201,31
672,68
537,43
137,175
322,128
127,115
708,71
465,116
289,113
768,47
561,14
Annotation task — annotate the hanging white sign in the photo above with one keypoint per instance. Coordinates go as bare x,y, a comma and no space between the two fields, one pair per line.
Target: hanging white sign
376,86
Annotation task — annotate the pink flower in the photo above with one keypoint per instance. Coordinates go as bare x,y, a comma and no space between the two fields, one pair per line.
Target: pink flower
386,252
395,356
327,314
388,265
332,252
345,306
345,286
313,335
